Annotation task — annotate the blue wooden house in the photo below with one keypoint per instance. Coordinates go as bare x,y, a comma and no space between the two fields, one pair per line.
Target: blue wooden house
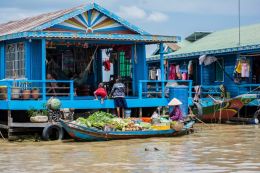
230,48
62,54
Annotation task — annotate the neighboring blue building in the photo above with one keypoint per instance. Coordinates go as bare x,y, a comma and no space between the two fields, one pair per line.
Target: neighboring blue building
229,51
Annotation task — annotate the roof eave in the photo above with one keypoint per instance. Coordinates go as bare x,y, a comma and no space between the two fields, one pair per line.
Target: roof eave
206,52
151,39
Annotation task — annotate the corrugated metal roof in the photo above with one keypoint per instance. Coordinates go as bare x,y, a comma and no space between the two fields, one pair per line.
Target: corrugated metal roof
219,42
250,35
31,22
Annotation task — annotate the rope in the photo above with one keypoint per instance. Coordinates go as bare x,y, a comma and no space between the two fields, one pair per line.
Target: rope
93,56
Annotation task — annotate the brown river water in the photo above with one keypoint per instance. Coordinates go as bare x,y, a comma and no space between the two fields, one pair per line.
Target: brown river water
218,148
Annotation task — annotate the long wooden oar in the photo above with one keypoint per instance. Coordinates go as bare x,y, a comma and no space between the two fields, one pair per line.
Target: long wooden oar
198,118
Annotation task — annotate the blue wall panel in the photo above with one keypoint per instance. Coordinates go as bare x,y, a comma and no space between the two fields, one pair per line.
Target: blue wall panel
140,66
36,60
229,62
208,74
28,59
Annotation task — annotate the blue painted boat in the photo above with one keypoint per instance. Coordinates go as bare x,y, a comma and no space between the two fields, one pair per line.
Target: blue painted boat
82,133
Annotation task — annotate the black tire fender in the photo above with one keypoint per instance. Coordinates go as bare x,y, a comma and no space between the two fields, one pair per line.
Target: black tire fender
47,133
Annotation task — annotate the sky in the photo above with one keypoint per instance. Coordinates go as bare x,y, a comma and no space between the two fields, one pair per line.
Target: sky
161,17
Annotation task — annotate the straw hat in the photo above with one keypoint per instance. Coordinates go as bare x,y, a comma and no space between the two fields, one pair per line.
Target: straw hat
174,102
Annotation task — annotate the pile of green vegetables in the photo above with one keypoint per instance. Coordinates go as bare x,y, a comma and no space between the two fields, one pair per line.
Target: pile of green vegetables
100,120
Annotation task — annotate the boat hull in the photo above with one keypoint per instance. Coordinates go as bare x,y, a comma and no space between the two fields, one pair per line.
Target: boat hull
221,112
89,134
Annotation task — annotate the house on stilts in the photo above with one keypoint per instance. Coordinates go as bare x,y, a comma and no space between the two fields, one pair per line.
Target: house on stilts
235,62
66,54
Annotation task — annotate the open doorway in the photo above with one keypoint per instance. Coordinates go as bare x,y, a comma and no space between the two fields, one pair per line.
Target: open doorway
87,65
256,69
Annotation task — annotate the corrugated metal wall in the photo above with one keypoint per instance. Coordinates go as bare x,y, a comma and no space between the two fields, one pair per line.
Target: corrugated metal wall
2,60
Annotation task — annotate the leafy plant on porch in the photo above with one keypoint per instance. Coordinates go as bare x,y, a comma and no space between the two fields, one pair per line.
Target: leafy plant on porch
26,92
33,112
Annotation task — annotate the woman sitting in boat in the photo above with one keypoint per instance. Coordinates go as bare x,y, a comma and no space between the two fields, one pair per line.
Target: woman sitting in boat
176,114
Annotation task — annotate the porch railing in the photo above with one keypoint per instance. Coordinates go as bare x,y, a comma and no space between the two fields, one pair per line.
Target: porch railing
65,89
209,90
249,88
46,88
154,88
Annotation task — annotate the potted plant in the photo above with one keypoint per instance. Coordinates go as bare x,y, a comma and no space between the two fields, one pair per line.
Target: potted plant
26,92
3,92
38,116
35,93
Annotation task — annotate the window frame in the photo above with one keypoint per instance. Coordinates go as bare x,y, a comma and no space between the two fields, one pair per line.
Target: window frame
124,66
15,61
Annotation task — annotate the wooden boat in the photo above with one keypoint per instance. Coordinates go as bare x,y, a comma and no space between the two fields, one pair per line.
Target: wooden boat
82,133
222,111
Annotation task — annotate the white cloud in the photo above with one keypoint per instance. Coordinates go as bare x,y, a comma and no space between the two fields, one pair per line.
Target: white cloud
157,17
134,12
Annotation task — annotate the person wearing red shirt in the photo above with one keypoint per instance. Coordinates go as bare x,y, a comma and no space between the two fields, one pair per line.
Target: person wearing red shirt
101,92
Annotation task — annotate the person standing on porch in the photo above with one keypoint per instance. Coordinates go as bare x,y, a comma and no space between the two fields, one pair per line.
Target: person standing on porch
118,93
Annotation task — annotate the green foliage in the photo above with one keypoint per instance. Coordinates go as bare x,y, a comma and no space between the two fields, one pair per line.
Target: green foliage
33,112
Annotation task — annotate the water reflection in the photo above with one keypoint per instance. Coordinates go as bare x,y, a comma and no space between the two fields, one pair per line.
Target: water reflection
220,148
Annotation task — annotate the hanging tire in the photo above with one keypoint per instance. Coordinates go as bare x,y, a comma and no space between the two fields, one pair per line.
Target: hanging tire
52,132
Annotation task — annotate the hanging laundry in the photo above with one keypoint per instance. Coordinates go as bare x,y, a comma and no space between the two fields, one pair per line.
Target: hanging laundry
172,72
184,68
178,73
245,70
158,74
184,76
202,58
190,68
107,65
209,60
239,67
152,74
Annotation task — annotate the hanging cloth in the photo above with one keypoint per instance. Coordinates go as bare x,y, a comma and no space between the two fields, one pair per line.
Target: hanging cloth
190,68
184,76
158,74
245,70
178,73
239,67
172,75
202,58
107,65
152,74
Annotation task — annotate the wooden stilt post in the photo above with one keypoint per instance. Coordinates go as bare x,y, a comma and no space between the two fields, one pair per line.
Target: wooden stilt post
9,124
140,112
